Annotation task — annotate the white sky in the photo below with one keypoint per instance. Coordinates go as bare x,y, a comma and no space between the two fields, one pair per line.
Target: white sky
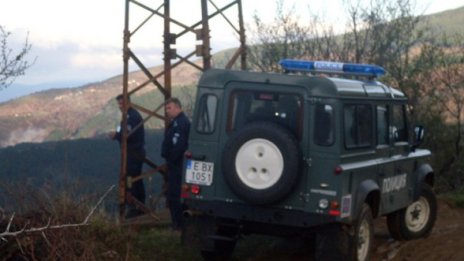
80,41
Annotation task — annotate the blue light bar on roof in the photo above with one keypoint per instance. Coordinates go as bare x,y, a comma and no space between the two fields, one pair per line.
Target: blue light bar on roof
332,67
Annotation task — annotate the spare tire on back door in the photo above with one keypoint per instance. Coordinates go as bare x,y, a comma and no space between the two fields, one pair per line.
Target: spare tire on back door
261,162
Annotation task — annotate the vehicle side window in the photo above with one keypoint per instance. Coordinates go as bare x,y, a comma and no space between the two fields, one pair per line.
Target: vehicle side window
382,125
398,129
324,125
207,114
358,126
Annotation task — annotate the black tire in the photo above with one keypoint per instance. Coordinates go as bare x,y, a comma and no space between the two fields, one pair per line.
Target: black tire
225,239
215,241
416,220
342,242
222,251
364,234
332,243
272,156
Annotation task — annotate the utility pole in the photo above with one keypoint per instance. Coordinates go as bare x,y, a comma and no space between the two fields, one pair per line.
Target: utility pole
171,60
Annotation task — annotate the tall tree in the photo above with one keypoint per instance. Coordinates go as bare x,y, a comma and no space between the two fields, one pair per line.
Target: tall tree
447,89
283,38
13,63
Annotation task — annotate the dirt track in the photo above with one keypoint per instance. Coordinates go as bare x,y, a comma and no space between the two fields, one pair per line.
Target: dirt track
446,241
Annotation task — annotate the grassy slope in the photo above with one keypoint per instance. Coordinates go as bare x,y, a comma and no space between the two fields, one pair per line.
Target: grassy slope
449,22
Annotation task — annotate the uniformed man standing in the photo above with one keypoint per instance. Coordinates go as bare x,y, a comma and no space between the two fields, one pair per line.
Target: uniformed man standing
174,145
135,155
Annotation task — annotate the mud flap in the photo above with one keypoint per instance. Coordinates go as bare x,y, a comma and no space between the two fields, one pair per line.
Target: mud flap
197,231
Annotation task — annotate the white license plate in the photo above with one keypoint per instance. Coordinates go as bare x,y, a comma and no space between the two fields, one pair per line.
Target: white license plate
199,172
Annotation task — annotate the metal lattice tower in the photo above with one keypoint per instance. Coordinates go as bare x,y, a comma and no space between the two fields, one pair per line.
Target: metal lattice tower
201,30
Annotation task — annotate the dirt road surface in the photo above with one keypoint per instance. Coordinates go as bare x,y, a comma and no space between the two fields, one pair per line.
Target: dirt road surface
446,242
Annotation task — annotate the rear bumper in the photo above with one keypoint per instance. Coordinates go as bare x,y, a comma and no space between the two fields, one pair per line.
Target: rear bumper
249,214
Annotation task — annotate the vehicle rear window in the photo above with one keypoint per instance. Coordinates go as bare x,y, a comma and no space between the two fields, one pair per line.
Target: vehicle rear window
282,108
207,114
324,125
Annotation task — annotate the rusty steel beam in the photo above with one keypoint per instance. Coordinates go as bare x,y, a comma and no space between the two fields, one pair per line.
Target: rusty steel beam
153,113
148,74
224,16
242,35
170,60
167,53
205,35
125,87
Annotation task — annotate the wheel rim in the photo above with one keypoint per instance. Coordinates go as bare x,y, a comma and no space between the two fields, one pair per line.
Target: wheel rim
364,240
259,163
417,215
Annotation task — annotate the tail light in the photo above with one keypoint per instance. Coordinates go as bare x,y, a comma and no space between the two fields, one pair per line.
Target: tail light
184,193
334,208
188,189
195,189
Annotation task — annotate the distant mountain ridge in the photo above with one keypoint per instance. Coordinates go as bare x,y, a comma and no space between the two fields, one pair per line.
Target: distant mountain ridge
35,117
90,110
58,114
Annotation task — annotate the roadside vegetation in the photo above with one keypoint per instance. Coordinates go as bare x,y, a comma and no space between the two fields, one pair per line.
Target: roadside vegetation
424,63
47,225
455,199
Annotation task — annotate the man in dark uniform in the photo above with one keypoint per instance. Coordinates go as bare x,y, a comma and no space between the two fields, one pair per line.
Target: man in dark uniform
135,154
175,144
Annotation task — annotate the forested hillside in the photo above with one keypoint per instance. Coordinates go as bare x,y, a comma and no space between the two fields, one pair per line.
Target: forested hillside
82,166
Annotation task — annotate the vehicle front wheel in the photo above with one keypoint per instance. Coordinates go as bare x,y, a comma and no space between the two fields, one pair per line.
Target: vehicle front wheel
417,220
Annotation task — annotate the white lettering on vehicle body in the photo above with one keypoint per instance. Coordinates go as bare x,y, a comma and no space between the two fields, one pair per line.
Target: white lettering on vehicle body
394,183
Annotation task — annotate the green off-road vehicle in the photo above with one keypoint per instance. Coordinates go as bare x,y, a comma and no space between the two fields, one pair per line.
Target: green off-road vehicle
297,154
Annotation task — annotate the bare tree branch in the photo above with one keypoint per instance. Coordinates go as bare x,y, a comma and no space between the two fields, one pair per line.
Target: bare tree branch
12,64
8,233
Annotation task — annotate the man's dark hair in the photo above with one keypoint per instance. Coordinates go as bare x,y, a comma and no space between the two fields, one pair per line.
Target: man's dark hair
175,101
120,97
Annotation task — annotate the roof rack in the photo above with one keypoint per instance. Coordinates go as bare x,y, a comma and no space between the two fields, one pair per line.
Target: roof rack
367,70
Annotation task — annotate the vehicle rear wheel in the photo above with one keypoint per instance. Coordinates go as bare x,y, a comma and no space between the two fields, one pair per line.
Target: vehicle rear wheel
364,234
341,242
261,162
215,240
416,220
223,243
222,251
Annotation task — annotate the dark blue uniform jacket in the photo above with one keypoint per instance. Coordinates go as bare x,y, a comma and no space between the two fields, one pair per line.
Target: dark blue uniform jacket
136,141
175,141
